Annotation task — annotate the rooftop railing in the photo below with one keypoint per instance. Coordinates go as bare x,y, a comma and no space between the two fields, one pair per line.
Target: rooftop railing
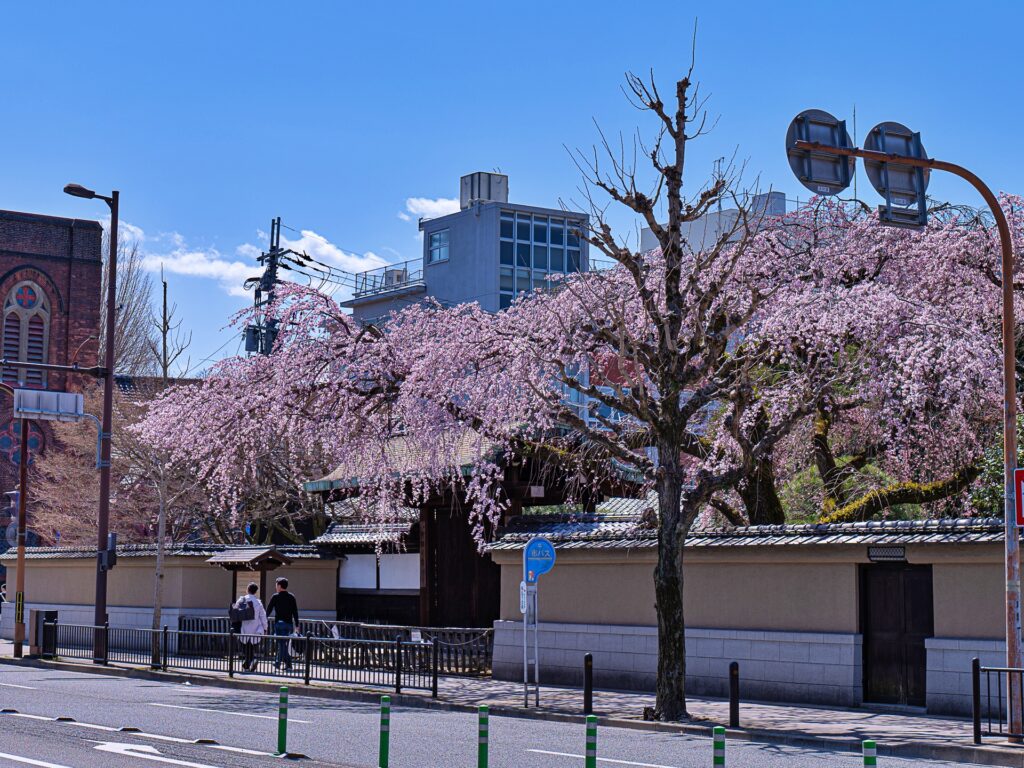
388,278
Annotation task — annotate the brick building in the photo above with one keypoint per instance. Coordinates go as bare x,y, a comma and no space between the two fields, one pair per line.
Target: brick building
50,282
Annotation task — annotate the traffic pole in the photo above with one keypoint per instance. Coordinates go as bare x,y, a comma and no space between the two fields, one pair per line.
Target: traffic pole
718,761
482,732
1014,649
385,731
282,723
870,754
591,758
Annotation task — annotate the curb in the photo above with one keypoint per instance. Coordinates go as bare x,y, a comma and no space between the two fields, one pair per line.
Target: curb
1011,757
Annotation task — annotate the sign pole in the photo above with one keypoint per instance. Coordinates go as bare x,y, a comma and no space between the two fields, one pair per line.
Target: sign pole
538,559
536,651
525,606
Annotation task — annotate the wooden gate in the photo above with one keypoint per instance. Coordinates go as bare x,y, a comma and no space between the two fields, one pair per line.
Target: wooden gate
896,617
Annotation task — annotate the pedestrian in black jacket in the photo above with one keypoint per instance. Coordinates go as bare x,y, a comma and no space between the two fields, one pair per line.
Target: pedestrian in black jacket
286,618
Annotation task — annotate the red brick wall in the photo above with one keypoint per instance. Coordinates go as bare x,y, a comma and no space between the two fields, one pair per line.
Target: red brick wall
62,256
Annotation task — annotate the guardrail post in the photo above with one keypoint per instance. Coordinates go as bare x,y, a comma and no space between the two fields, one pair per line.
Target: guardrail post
398,664
282,723
718,755
976,698
309,655
385,731
482,732
231,653
163,646
734,695
588,684
870,754
590,761
435,658
106,643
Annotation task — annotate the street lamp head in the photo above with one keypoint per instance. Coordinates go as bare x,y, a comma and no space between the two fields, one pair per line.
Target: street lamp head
77,190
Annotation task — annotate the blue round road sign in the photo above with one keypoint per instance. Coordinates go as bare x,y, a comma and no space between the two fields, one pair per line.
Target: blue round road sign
538,559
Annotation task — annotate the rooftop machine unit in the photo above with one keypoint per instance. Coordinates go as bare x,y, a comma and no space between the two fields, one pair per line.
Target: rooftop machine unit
481,187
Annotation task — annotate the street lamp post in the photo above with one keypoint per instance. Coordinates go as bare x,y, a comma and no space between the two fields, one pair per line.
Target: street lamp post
100,617
1014,660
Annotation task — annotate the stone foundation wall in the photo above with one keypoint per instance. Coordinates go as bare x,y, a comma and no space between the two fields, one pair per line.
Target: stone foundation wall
948,685
808,667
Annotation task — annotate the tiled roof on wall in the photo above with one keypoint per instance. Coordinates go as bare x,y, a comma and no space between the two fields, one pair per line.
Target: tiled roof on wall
295,552
630,531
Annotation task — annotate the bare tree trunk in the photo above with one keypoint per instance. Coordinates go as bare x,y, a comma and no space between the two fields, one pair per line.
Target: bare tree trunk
668,589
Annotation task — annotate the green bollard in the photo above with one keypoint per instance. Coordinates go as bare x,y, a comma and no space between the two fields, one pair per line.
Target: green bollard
719,754
385,730
591,758
282,723
870,754
483,728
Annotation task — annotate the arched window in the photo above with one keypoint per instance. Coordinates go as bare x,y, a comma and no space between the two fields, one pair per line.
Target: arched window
26,333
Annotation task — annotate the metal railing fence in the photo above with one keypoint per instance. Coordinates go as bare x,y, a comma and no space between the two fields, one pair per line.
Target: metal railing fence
397,663
991,689
462,651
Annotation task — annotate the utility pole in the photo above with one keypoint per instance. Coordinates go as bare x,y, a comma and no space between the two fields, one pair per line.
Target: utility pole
260,337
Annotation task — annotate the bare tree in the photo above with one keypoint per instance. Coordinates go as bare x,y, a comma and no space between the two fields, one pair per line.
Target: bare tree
170,342
686,379
163,479
133,355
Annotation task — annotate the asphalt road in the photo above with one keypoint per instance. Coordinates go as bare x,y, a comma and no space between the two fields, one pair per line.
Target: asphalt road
331,732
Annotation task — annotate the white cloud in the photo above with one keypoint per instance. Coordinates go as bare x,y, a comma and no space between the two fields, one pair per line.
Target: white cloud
321,249
170,251
203,263
428,207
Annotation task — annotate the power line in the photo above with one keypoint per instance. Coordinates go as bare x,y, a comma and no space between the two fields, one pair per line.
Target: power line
213,357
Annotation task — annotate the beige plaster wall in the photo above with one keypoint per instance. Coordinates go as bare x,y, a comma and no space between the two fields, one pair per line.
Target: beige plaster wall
808,597
969,599
796,588
188,582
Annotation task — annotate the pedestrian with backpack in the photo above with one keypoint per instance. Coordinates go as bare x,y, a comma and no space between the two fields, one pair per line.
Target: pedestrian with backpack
286,619
251,615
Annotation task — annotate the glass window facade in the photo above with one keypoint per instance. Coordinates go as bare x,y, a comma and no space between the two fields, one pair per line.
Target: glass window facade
532,248
438,250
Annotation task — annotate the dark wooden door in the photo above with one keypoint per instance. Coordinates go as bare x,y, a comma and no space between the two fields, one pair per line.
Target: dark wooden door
896,617
460,586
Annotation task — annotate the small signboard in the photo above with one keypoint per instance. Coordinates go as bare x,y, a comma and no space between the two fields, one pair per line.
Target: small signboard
538,559
1018,495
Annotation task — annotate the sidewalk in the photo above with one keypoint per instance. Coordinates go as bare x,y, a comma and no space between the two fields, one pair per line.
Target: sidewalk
898,734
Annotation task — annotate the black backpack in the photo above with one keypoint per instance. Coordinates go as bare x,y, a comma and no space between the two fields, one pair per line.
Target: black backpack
243,610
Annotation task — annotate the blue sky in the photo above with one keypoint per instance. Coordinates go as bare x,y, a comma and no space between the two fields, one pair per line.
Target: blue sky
348,120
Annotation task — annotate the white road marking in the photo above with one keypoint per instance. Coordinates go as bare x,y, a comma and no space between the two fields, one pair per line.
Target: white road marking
600,759
144,752
225,712
15,685
30,761
240,750
146,735
94,727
